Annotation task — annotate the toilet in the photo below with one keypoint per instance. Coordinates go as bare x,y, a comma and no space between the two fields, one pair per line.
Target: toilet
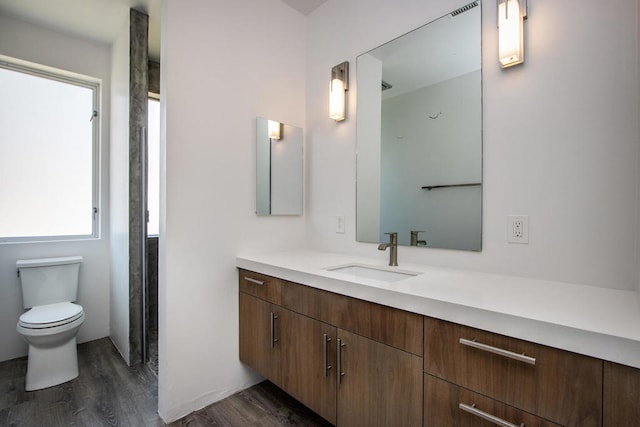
50,326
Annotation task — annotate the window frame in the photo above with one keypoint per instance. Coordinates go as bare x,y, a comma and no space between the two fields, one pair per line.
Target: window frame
95,85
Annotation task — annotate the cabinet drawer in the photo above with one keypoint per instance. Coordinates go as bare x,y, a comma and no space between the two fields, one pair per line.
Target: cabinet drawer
557,385
259,285
397,328
446,404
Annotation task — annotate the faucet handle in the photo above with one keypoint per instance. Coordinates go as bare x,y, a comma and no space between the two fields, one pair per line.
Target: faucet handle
414,238
393,236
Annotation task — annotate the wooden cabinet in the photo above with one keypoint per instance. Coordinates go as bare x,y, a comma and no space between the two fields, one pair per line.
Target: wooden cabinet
560,386
290,351
379,385
621,402
351,361
357,363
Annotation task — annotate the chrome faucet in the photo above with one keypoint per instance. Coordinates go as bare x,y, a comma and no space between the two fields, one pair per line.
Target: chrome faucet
415,241
393,248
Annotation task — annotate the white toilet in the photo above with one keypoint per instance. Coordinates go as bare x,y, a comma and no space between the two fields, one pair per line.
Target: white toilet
49,286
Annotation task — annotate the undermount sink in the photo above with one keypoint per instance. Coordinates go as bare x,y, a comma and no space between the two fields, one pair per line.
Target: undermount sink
373,272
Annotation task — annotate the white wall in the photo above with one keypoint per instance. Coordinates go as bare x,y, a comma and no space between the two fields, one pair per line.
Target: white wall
32,43
119,176
223,64
560,138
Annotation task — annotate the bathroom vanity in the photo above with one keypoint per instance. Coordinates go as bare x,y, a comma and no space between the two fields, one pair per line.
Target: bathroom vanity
438,346
325,349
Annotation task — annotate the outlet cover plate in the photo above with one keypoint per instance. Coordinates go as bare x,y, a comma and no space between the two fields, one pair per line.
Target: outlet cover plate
340,224
518,229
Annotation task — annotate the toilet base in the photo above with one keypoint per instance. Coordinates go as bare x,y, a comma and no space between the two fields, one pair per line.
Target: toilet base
49,366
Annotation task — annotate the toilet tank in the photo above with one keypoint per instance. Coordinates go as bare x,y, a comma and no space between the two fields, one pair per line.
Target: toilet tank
49,280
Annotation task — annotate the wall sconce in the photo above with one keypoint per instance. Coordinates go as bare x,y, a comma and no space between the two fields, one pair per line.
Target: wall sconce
337,87
274,130
511,15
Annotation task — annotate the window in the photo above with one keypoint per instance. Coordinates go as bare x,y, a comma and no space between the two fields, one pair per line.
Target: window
48,155
153,167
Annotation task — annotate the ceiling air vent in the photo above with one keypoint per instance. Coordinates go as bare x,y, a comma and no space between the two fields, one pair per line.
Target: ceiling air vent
464,8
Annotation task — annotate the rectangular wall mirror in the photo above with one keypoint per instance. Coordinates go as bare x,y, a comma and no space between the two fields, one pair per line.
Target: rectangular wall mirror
419,136
278,168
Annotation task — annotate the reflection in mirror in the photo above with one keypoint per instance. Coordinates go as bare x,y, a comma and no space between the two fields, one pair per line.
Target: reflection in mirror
278,168
419,128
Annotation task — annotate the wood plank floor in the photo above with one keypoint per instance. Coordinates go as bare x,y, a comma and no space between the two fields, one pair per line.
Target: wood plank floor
262,405
108,393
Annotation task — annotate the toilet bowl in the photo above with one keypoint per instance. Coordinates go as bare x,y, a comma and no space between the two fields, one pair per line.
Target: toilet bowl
51,332
51,324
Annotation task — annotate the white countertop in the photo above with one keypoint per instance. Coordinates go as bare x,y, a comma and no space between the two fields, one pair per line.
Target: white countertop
598,322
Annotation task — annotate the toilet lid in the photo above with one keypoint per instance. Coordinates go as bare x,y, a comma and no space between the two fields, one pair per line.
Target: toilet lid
50,315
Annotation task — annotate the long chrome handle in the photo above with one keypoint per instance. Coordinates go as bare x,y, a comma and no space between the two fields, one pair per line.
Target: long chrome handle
485,416
325,343
273,329
339,360
499,351
256,281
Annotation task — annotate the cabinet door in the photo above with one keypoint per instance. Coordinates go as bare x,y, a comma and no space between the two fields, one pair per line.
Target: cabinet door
308,364
379,386
260,324
621,395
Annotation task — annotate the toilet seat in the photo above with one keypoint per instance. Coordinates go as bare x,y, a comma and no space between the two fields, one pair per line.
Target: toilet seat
51,315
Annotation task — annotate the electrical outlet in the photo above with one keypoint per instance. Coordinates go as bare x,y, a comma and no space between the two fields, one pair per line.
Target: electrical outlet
340,224
518,229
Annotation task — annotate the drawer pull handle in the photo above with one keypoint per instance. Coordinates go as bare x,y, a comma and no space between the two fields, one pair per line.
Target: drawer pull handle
499,351
485,416
325,343
256,281
273,329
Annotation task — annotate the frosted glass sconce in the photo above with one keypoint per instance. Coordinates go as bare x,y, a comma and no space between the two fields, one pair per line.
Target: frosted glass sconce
337,87
511,16
274,130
